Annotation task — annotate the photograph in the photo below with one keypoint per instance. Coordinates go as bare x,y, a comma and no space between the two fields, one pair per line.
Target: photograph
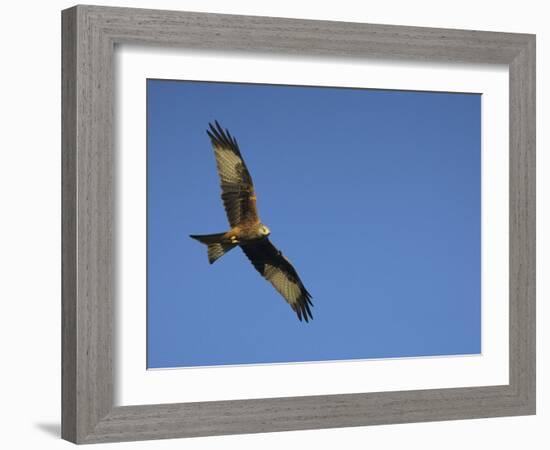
265,225
295,224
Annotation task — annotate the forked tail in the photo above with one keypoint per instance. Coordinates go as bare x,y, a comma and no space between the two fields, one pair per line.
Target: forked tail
216,247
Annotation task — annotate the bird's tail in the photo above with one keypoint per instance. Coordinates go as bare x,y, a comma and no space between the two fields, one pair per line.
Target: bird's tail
216,247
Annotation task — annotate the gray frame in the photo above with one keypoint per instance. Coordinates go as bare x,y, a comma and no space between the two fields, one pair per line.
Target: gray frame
89,36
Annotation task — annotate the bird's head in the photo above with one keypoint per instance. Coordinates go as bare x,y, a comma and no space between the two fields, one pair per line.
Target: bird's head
264,231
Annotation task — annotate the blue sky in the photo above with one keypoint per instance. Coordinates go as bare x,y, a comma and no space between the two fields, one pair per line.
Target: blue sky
373,195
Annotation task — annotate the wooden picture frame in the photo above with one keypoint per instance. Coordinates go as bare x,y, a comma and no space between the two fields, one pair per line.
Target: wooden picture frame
89,37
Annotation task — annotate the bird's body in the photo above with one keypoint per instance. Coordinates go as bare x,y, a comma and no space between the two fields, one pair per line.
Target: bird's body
247,230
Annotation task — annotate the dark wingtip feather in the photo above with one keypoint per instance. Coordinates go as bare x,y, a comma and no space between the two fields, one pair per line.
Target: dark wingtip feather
220,136
220,129
211,130
308,310
305,304
297,310
307,295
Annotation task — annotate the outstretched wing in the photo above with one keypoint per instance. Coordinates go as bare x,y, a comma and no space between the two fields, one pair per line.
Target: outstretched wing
274,267
238,195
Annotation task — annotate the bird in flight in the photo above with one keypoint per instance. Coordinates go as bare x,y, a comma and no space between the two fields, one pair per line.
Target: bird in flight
247,231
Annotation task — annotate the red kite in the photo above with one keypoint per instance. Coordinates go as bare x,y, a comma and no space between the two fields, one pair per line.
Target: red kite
247,231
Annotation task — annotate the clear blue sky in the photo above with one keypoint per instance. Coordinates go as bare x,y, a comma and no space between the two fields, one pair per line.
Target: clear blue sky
373,195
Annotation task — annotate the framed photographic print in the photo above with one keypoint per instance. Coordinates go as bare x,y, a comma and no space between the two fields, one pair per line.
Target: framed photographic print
279,224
